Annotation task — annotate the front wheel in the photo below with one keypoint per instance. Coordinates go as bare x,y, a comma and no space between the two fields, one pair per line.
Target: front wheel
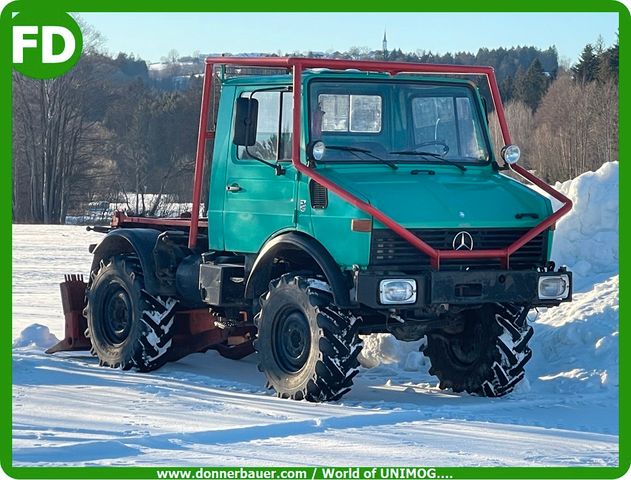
307,346
486,354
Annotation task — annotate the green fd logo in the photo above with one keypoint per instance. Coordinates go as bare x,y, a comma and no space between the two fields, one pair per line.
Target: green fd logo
45,47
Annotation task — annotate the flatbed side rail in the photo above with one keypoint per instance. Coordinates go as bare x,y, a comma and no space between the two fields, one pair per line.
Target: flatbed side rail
121,219
296,65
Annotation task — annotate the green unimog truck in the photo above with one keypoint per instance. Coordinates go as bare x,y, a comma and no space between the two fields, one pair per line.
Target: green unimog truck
345,198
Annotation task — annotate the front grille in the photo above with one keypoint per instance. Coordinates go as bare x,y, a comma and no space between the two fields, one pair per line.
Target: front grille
389,250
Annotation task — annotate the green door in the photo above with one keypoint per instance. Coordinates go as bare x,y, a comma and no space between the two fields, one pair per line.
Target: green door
259,203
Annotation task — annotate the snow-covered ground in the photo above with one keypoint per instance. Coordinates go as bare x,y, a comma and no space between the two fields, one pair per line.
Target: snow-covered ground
206,410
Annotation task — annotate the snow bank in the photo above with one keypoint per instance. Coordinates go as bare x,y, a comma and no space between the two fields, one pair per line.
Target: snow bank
575,347
35,336
586,239
384,348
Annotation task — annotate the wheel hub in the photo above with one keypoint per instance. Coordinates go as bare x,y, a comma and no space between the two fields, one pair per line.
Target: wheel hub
117,313
292,340
467,347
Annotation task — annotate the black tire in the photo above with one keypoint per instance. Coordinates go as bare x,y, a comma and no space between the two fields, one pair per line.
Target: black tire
487,356
307,346
127,326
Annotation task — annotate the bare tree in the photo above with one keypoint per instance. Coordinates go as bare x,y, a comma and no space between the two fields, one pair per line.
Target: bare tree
521,125
54,138
576,128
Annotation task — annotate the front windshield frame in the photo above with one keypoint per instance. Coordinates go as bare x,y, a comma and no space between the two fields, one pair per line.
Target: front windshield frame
365,85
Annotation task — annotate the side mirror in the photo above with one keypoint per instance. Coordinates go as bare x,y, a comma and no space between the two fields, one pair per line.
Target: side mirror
245,118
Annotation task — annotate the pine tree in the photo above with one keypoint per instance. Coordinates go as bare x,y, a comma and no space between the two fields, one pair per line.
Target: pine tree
531,86
608,64
614,60
586,70
507,88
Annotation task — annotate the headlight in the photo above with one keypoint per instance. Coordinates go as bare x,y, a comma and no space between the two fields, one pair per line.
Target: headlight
318,150
554,287
397,291
511,154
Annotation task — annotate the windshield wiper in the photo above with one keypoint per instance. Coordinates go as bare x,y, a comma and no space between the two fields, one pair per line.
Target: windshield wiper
355,150
429,154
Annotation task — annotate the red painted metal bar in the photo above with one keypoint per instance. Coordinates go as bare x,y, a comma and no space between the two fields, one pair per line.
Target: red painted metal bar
202,137
548,222
375,66
298,64
566,202
121,219
325,182
297,127
499,108
537,229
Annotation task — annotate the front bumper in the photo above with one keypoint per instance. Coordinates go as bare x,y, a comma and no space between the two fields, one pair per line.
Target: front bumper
462,288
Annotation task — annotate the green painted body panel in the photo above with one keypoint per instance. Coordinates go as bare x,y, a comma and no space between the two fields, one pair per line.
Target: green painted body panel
332,228
268,204
265,204
477,198
450,198
221,151
243,220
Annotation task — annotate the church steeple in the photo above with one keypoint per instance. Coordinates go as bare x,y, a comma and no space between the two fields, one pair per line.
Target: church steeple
385,44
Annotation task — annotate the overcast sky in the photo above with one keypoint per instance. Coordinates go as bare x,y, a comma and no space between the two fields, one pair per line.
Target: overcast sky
152,35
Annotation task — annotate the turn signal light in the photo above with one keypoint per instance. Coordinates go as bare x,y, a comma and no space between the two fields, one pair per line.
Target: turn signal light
361,225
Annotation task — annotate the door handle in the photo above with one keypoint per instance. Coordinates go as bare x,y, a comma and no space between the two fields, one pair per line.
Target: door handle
233,188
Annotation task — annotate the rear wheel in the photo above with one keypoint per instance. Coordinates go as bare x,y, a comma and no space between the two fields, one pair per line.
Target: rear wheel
486,355
126,326
307,346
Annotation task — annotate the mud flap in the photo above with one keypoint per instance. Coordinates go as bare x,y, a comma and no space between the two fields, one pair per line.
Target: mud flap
73,301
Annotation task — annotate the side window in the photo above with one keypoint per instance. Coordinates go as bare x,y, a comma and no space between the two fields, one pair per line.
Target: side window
470,141
287,125
273,127
350,113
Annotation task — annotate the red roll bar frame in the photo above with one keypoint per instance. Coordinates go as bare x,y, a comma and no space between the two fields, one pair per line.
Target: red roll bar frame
297,65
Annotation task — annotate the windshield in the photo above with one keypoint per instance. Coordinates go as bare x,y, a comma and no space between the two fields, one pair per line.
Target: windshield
396,121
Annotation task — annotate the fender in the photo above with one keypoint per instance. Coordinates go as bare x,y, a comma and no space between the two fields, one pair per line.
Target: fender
259,277
142,242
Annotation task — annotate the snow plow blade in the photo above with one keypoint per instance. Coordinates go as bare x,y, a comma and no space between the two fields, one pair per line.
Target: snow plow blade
73,299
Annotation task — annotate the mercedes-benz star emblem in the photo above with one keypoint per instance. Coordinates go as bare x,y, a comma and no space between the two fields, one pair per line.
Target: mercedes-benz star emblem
463,241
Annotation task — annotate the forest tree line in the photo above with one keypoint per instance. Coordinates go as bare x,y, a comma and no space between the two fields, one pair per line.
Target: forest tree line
107,131
566,124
